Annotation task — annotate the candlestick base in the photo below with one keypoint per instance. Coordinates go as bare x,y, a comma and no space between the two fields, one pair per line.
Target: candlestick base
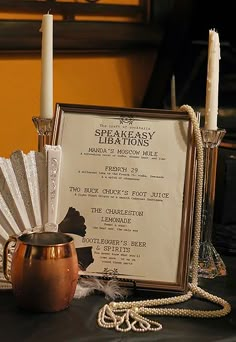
44,130
210,264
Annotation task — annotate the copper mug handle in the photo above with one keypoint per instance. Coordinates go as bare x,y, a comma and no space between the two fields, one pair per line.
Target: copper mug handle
12,238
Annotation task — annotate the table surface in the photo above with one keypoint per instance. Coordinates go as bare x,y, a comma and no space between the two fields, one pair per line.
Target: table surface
79,321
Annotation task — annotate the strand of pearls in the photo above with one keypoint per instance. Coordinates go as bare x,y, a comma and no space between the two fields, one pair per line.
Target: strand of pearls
126,316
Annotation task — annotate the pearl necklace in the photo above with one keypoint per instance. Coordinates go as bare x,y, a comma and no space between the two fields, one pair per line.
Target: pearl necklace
126,316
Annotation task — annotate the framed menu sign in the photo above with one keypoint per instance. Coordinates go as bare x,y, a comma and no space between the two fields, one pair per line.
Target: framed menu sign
126,192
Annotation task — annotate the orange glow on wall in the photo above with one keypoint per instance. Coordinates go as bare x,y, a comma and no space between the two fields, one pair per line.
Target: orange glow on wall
113,80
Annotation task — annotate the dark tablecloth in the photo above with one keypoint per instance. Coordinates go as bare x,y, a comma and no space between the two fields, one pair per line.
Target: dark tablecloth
78,322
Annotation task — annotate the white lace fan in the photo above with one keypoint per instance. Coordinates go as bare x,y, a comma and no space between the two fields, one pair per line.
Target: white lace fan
29,191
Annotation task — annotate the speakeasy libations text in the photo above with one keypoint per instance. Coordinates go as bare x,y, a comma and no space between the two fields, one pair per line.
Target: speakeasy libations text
123,137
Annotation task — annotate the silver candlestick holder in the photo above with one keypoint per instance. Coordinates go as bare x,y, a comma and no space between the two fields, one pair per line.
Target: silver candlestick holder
44,130
210,264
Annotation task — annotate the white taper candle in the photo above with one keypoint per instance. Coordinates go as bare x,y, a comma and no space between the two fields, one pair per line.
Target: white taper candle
212,84
46,93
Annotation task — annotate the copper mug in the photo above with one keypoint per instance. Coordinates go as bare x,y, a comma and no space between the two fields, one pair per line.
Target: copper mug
44,270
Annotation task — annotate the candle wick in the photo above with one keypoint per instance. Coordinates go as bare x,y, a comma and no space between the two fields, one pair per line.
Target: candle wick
49,10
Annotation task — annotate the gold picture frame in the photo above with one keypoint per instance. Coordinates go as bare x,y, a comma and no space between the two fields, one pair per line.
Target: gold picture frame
127,192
